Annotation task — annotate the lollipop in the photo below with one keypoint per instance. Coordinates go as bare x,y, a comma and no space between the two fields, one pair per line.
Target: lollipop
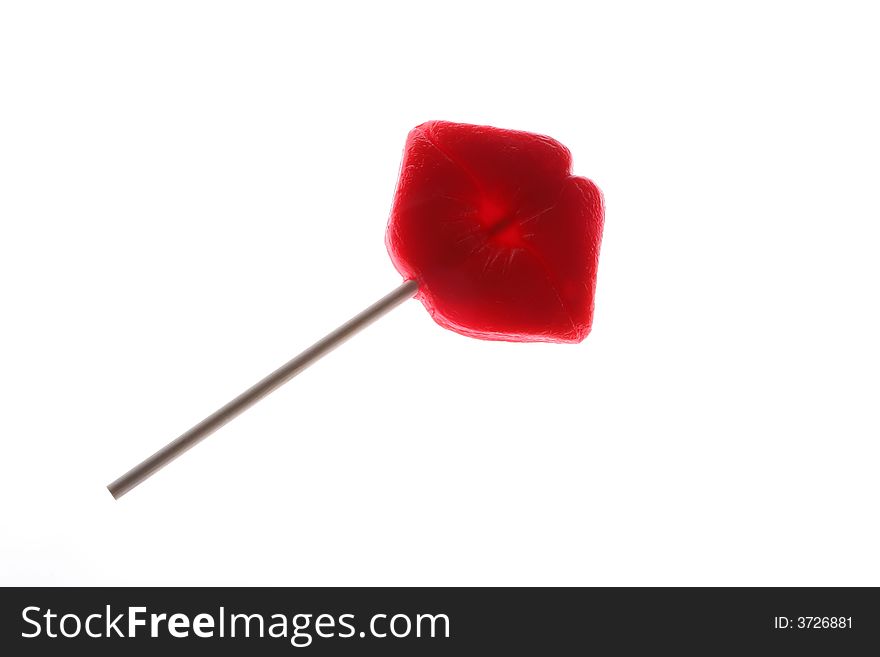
490,231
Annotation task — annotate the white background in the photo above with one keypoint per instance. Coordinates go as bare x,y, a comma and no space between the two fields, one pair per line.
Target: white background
192,192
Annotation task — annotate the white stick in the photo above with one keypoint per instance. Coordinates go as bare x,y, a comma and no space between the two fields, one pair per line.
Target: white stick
259,390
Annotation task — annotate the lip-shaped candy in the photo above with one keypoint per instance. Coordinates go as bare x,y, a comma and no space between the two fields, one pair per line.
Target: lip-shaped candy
503,240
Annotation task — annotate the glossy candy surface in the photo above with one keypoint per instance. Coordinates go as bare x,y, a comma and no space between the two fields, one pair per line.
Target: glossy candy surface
503,239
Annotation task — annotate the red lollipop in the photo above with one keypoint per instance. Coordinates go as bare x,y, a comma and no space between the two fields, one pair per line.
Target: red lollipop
492,234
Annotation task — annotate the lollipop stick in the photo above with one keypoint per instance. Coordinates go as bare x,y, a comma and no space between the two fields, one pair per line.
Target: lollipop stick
259,390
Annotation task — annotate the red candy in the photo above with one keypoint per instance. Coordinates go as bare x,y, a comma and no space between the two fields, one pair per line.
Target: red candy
503,239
